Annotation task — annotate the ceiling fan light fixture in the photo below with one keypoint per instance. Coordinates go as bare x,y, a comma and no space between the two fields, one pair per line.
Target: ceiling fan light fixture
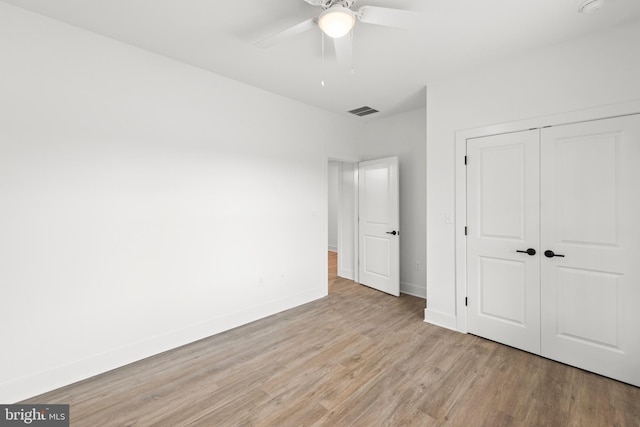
337,21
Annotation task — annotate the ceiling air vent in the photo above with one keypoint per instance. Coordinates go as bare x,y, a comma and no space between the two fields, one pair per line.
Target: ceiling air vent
363,111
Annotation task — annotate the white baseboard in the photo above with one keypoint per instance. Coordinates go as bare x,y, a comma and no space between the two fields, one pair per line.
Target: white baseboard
42,382
346,273
415,290
439,318
333,248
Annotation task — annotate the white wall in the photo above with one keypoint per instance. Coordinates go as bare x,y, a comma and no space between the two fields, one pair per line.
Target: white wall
145,203
404,135
333,205
584,73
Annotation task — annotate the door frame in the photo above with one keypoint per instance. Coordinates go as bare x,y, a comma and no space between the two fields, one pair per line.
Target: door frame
458,321
325,219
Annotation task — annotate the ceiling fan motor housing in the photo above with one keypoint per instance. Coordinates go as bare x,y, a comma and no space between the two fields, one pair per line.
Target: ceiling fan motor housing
326,4
345,3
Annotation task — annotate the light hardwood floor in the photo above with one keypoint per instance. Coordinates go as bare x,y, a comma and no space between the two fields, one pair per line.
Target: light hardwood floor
333,267
356,358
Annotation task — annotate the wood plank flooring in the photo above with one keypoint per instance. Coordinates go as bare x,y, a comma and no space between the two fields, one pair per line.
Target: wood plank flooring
356,358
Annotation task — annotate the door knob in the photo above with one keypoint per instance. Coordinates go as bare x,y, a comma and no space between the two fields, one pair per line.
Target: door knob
394,232
529,251
551,254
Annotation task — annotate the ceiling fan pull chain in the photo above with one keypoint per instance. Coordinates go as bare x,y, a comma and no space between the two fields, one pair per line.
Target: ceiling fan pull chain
322,66
353,68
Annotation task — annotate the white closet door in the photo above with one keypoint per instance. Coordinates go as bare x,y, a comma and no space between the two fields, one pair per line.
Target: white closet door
590,213
503,285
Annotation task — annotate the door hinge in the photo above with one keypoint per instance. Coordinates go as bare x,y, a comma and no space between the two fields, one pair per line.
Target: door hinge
465,160
466,301
465,230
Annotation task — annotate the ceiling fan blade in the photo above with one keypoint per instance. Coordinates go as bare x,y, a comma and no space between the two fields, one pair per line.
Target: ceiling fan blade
344,50
300,28
389,17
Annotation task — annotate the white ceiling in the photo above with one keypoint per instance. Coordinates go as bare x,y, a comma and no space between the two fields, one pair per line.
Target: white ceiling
392,66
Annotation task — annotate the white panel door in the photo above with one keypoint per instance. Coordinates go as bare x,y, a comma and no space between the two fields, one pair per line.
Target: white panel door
503,279
590,212
379,238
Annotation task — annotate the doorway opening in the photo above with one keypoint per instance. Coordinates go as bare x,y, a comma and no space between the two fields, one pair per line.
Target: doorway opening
362,222
341,221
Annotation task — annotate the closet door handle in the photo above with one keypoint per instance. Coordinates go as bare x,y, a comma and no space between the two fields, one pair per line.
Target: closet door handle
530,252
551,254
394,232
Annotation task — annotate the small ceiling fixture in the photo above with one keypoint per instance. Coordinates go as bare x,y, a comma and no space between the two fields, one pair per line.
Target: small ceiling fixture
337,21
591,6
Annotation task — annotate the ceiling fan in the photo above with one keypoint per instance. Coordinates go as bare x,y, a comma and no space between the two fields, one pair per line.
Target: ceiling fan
338,18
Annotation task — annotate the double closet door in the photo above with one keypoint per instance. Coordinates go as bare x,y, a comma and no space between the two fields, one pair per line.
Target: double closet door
553,244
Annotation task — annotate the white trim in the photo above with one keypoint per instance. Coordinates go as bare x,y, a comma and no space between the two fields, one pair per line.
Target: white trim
415,290
324,238
333,249
78,370
346,274
356,223
597,113
324,225
340,238
439,318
